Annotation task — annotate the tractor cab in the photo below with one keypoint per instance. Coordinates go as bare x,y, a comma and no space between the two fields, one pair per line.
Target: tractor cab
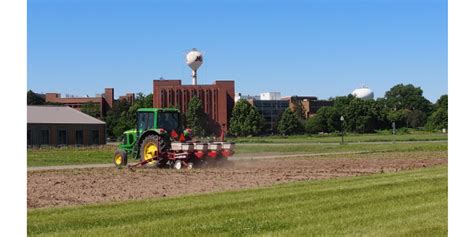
168,119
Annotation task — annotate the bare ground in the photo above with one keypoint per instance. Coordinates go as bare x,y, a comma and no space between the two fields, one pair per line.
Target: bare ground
92,185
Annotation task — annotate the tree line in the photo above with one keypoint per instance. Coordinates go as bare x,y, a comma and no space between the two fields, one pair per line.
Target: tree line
403,105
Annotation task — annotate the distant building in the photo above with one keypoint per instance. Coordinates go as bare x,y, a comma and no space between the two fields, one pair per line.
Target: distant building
62,125
239,96
271,111
104,101
129,97
310,104
217,99
271,105
270,96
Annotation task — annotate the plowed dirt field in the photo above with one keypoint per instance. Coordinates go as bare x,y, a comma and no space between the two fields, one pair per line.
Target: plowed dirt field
93,185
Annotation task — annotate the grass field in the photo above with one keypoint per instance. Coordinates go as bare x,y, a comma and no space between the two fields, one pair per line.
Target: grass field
330,138
392,204
103,155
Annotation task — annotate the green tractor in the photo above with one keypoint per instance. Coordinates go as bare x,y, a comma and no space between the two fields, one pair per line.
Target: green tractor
160,140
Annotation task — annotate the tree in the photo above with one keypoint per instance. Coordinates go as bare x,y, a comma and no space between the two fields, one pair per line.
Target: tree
118,119
245,120
289,123
415,118
342,101
34,99
407,97
326,119
407,105
91,109
123,115
439,118
196,118
364,116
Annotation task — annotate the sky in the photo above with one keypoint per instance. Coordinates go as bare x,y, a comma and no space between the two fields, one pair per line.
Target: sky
322,48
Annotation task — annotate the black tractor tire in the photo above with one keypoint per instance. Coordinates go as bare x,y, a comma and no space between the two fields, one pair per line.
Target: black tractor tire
157,141
120,158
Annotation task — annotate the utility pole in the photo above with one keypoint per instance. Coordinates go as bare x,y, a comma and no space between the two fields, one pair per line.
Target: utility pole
394,131
342,130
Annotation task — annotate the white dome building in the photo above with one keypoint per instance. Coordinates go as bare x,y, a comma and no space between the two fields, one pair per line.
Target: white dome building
363,93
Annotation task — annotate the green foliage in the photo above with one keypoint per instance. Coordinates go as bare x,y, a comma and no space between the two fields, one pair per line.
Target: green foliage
91,109
415,118
34,99
407,97
402,104
407,106
407,203
196,118
364,116
439,118
245,120
326,119
118,119
123,116
289,123
141,101
342,101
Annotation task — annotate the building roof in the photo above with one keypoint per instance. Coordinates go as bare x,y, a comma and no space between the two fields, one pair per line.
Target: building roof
59,115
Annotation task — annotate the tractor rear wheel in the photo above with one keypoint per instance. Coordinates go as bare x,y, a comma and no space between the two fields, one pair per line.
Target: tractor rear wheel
151,147
120,158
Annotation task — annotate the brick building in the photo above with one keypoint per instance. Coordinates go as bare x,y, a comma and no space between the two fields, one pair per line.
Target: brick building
104,102
129,97
310,104
62,125
217,99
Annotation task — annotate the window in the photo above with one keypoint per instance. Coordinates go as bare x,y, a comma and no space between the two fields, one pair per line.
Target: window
95,137
62,137
44,137
28,137
145,120
79,137
169,121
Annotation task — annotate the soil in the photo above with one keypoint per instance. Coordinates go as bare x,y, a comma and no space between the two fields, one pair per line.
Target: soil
93,185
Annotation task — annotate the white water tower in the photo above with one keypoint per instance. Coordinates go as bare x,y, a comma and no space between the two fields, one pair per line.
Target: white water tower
363,93
194,60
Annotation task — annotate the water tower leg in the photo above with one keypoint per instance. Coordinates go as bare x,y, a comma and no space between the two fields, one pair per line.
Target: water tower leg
194,78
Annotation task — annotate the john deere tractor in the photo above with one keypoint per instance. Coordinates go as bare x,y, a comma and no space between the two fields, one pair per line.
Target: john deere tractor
160,140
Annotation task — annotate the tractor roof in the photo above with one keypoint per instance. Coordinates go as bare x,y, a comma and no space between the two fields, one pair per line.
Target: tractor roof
158,110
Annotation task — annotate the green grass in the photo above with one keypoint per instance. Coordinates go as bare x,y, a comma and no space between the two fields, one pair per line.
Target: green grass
393,204
330,138
70,156
329,148
103,155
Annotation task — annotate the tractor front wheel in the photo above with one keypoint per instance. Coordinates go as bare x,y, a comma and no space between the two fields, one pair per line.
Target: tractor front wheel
120,158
